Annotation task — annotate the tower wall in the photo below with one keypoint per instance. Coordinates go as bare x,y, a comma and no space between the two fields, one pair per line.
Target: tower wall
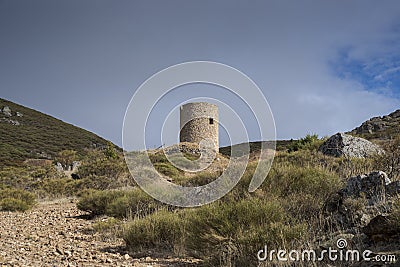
198,121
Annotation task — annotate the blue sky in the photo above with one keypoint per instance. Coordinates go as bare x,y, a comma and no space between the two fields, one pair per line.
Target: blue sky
324,66
379,74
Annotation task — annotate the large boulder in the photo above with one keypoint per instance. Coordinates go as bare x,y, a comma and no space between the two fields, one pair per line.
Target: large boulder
341,144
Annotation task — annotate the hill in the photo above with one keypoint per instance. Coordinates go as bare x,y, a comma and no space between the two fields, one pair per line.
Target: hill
255,147
378,129
26,133
381,128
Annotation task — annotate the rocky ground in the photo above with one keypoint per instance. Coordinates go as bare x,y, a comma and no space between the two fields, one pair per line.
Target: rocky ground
57,234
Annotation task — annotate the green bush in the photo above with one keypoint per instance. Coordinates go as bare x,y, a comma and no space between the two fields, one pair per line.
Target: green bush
160,230
222,234
56,188
103,170
230,234
167,169
118,203
96,202
310,142
201,178
13,204
109,225
16,200
157,157
287,180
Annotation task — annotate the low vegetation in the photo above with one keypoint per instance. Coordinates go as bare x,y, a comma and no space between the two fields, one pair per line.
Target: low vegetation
118,203
310,142
16,200
285,212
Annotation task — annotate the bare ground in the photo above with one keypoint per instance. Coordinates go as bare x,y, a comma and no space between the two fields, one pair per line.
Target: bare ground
57,234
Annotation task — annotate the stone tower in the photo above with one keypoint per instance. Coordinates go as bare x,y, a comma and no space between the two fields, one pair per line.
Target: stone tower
199,121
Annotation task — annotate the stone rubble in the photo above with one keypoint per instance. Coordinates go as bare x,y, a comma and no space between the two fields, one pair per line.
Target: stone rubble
55,234
362,211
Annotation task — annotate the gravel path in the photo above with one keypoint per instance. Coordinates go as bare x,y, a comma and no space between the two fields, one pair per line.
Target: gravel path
53,234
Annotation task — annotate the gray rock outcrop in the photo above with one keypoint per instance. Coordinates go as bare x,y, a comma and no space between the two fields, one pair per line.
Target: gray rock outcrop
372,187
7,111
377,123
7,114
346,145
13,122
365,202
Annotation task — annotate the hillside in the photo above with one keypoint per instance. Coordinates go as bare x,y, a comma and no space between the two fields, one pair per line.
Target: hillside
281,145
26,133
382,128
379,129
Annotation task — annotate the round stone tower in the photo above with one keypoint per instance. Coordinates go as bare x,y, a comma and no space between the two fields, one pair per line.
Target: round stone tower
199,121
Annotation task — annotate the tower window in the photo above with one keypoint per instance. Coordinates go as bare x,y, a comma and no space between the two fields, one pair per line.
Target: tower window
211,120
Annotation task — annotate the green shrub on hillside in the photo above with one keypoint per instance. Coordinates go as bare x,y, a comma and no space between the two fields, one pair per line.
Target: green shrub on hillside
96,202
118,203
160,230
287,180
56,187
16,200
223,234
201,178
167,169
310,142
43,181
103,170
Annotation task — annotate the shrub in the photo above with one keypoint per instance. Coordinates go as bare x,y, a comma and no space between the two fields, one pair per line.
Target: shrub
160,230
118,203
222,234
55,188
310,142
16,200
13,204
157,157
66,157
96,202
103,170
167,169
232,233
109,225
201,178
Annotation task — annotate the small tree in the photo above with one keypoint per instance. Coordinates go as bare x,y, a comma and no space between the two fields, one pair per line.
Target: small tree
110,151
309,142
66,158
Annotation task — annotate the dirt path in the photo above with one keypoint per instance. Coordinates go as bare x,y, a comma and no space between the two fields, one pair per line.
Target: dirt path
53,234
